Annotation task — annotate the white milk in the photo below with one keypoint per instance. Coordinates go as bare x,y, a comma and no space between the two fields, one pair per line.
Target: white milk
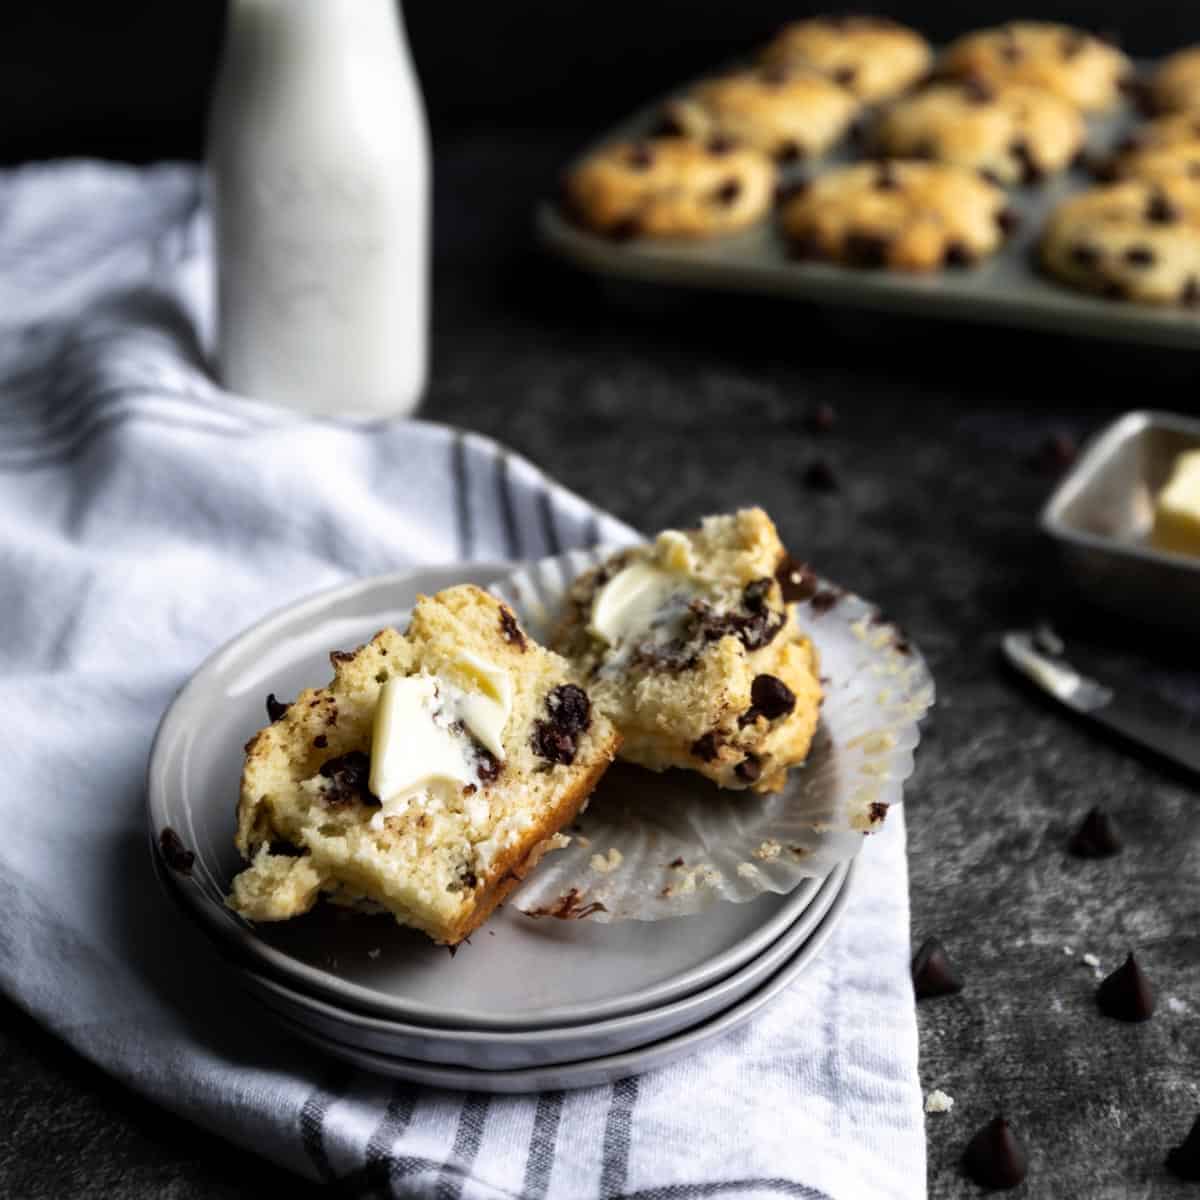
319,162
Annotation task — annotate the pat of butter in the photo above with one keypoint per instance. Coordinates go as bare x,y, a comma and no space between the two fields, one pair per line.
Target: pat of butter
628,603
1177,508
411,750
485,708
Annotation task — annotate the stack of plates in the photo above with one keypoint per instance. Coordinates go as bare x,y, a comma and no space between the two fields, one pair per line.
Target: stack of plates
527,1004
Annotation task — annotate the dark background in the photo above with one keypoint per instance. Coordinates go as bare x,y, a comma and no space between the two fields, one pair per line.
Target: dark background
128,78
661,408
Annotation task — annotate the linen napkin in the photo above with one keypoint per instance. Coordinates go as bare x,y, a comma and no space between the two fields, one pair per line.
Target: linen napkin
148,516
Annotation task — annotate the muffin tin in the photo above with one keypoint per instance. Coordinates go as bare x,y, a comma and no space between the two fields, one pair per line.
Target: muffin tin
1006,289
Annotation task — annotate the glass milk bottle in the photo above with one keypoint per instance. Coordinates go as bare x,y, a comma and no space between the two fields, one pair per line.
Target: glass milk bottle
319,165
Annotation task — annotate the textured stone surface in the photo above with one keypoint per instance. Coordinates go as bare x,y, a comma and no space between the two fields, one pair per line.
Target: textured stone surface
664,408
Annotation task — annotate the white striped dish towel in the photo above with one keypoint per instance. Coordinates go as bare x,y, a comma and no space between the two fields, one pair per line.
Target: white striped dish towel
148,516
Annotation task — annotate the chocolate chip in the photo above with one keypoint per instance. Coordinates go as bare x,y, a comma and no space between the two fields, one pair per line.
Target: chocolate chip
341,656
789,151
175,854
1031,172
994,1158
570,708
468,878
727,193
1085,255
796,580
553,744
976,91
349,780
284,849
1095,837
640,157
865,250
749,769
825,599
886,180
487,766
819,476
932,974
1191,292
705,747
1140,256
1008,221
845,75
1126,995
720,145
510,631
1184,1160
772,697
320,741
275,708
958,255
667,125
625,229
820,419
755,594
1160,210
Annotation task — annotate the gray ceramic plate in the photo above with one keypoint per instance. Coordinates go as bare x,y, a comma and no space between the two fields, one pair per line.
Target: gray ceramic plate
510,1050
1101,514
586,1072
517,973
1007,289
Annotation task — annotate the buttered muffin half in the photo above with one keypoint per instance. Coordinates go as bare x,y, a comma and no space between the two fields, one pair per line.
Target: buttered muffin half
690,645
426,779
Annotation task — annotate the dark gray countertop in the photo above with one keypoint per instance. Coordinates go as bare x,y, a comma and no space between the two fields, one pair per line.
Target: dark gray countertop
662,408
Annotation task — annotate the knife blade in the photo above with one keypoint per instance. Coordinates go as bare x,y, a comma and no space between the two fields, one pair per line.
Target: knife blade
1142,718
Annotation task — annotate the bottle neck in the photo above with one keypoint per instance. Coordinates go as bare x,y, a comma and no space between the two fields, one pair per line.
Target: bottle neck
301,30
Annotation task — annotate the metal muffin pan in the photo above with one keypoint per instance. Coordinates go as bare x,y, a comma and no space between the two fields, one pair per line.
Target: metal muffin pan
1100,517
517,973
585,1072
511,1050
1006,289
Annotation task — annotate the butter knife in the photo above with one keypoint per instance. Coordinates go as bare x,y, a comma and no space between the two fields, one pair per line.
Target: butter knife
1144,719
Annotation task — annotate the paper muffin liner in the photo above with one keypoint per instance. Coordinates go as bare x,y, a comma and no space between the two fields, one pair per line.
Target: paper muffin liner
652,846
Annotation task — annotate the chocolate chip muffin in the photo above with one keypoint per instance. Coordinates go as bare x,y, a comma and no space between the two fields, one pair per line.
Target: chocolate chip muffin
426,779
690,646
902,215
1175,85
873,57
787,112
670,187
1072,64
1134,240
1010,134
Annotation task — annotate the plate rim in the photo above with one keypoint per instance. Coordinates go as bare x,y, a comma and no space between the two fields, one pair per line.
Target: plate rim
230,930
603,1068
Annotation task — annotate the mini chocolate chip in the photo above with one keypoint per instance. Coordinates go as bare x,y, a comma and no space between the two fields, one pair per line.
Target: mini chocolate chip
932,974
705,747
1008,221
977,91
570,708
958,255
1160,210
728,192
667,125
720,145
796,580
749,769
640,157
468,878
865,250
320,741
994,1158
1126,995
755,594
487,766
625,229
275,708
789,151
342,656
509,629
1140,256
553,744
1085,255
1191,292
845,75
1095,837
772,697
1184,1160
819,476
886,180
284,849
175,854
820,419
349,779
